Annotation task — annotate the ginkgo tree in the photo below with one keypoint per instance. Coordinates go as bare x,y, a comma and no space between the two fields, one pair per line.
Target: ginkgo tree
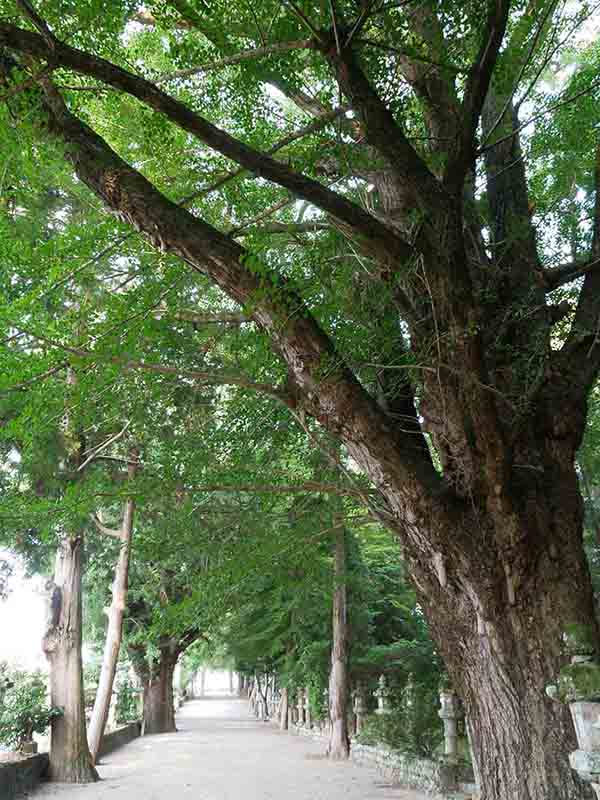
394,257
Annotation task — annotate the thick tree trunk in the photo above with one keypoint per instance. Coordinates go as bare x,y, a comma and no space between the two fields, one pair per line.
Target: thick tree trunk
497,559
114,633
339,741
159,711
501,633
70,760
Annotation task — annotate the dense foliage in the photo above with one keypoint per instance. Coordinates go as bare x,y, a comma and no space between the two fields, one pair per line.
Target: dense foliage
364,230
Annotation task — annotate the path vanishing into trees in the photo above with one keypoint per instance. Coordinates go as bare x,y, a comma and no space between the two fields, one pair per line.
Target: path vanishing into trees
219,753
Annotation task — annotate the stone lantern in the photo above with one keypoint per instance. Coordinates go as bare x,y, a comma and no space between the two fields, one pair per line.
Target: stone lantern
450,713
579,685
382,693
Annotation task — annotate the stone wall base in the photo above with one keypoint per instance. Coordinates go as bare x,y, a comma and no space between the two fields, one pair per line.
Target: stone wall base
436,778
22,776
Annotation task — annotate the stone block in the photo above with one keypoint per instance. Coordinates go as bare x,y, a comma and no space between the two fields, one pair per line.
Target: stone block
22,776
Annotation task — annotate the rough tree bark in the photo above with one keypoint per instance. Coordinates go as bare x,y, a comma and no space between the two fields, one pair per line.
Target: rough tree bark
494,544
114,630
70,760
338,748
158,714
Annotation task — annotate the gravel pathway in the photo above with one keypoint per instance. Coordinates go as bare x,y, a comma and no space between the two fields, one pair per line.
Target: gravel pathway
219,753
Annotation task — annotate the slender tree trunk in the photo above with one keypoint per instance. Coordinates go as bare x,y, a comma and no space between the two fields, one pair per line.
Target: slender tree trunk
114,632
159,711
230,682
70,760
339,742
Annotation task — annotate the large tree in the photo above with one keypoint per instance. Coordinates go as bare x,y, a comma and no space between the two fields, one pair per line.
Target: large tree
431,268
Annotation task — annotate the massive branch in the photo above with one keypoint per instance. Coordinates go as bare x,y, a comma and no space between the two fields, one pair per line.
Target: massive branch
432,81
397,462
383,133
386,243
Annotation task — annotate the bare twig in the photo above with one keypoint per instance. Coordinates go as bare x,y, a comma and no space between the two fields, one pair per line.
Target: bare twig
524,65
36,379
335,28
117,534
306,130
316,33
539,115
209,378
103,446
245,55
307,486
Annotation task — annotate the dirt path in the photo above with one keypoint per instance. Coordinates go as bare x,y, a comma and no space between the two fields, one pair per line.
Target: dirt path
220,753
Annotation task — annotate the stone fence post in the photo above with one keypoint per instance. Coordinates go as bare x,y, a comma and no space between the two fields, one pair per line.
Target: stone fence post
450,713
360,707
300,707
307,715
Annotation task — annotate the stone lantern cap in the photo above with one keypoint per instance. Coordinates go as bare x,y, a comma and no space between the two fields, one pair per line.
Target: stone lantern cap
450,706
579,640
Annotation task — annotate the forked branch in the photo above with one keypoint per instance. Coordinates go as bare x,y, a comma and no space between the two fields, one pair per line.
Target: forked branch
476,89
385,241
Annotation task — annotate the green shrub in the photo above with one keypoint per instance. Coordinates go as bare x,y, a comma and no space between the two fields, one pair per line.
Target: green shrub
24,711
127,702
414,729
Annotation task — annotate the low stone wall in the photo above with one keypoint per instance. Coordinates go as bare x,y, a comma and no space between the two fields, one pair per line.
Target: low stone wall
433,777
20,777
409,771
313,733
119,737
